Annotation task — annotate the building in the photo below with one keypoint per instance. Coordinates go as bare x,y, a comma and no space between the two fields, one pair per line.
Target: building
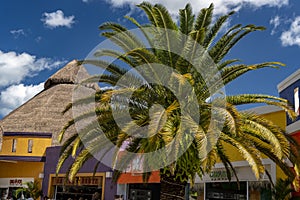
29,151
21,159
29,130
131,184
85,184
289,89
216,184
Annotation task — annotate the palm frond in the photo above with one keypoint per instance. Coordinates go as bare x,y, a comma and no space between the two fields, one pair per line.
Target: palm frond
213,31
248,152
148,9
186,18
204,18
230,73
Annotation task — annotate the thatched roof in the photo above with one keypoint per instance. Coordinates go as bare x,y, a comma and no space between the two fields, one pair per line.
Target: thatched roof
66,75
43,113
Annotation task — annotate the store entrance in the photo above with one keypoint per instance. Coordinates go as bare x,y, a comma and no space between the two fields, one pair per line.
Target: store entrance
83,187
149,191
226,190
78,192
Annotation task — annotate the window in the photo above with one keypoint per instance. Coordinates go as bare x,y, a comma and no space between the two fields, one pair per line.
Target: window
86,187
14,145
296,100
30,145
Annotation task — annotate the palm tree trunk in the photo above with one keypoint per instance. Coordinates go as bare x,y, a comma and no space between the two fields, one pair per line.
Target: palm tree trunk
171,187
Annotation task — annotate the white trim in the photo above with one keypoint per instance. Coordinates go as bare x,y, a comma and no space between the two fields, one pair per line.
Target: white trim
108,174
296,100
243,163
273,172
288,81
264,109
294,127
247,189
204,190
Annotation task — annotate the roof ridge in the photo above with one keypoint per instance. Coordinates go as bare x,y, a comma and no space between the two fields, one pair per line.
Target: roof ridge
67,75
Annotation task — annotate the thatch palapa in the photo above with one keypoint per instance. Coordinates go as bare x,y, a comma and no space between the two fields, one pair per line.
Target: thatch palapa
43,112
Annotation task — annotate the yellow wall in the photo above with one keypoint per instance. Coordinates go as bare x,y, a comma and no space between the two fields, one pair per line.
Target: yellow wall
232,153
278,118
13,169
39,146
18,169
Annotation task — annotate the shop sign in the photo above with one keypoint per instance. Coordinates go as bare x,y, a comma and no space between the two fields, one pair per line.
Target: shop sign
61,181
90,180
82,180
219,175
15,182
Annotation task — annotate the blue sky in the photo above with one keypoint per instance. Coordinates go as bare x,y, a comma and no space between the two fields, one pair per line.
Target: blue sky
39,37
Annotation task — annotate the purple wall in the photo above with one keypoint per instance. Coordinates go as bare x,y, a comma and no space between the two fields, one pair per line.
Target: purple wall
52,155
288,93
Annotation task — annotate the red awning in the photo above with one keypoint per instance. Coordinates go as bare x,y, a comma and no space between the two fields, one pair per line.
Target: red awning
296,136
138,178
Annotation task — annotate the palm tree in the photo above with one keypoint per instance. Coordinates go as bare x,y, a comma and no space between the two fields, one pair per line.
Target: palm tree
282,190
196,72
32,189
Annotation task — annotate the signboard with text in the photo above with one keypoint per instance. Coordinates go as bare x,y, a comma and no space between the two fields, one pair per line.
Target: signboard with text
14,182
81,180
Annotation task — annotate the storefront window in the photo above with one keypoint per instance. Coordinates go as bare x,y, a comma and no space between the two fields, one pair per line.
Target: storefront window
226,190
148,191
259,190
84,187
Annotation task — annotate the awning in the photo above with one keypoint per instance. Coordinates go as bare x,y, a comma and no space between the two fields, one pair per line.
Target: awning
138,178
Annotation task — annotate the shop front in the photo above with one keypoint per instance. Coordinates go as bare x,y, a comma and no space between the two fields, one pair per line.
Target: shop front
216,184
132,186
8,186
86,184
230,190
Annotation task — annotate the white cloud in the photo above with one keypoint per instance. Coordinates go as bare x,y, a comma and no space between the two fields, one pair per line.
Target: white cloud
17,33
15,95
57,18
292,36
221,6
275,22
15,67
